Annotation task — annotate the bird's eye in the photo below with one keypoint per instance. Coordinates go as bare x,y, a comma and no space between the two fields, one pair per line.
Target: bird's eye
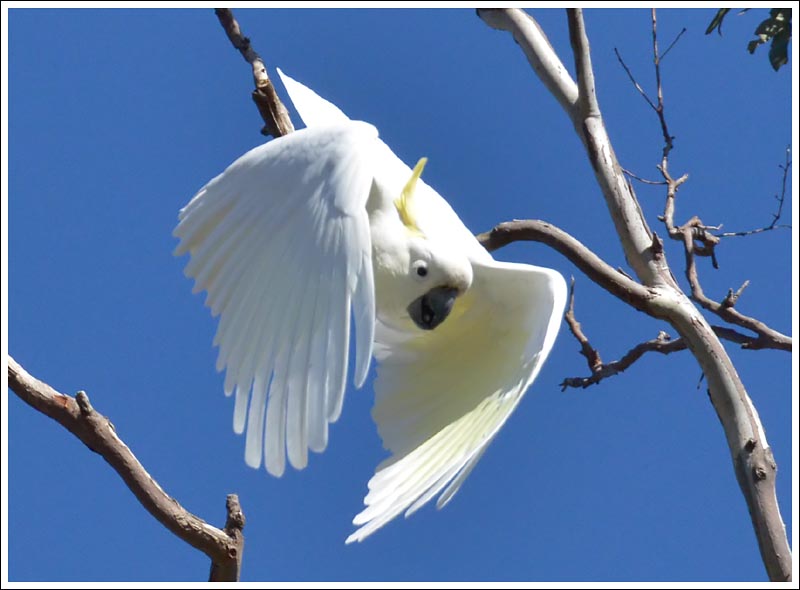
420,269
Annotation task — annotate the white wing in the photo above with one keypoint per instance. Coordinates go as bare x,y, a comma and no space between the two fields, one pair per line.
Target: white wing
281,242
312,108
443,395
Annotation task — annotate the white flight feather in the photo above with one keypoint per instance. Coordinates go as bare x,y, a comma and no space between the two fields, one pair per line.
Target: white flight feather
280,241
438,423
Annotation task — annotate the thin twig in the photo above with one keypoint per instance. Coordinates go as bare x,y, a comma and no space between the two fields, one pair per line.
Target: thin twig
733,296
276,118
705,241
634,82
671,45
662,344
590,353
694,230
642,180
657,106
780,198
752,232
787,163
77,415
668,145
767,337
698,240
600,370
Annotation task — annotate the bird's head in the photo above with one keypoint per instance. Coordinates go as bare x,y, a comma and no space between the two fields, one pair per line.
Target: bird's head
439,275
435,272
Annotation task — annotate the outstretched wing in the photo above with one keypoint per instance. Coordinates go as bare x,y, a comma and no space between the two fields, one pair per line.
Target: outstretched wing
281,243
443,395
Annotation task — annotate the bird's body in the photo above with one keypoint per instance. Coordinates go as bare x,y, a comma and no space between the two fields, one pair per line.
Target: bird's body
305,228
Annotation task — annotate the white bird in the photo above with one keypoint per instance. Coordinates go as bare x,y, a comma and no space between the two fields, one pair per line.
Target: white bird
299,232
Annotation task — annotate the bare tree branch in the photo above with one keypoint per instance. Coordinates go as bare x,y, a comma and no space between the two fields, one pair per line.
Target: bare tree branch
703,240
671,45
615,281
754,465
629,221
697,238
276,118
660,91
77,415
780,198
541,55
533,230
663,343
598,368
634,81
636,237
229,570
587,350
658,106
752,232
669,205
767,337
642,180
699,232
587,99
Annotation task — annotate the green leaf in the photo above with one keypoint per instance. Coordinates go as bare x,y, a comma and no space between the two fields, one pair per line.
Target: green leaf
768,27
779,50
716,23
777,28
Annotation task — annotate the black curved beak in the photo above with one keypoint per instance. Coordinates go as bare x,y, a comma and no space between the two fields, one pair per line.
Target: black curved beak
432,309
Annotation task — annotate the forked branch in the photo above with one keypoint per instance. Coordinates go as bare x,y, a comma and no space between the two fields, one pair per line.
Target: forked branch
77,415
599,369
663,343
697,238
767,337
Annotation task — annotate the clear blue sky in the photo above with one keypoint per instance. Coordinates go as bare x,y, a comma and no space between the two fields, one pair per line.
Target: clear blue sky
117,117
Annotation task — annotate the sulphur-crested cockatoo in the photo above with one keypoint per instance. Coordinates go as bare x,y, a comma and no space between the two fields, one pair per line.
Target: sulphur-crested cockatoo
306,229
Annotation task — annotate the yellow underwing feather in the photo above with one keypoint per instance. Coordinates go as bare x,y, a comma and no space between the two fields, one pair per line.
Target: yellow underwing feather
404,203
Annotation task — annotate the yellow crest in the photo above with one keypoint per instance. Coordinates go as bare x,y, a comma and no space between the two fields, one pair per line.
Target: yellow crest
405,203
